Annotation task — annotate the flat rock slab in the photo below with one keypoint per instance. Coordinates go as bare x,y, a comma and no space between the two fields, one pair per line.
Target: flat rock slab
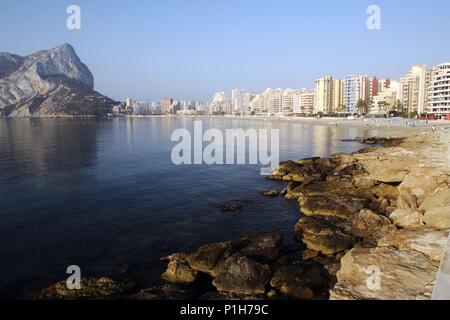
385,274
430,242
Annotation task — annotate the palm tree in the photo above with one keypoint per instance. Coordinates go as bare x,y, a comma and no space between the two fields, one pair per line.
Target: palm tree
383,105
361,105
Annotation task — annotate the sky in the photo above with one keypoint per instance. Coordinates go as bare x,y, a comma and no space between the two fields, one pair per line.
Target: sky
189,49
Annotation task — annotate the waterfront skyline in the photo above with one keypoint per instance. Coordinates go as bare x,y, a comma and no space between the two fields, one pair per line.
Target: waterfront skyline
196,49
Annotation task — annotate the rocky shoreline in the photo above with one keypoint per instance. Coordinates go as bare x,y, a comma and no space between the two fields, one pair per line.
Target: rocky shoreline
373,225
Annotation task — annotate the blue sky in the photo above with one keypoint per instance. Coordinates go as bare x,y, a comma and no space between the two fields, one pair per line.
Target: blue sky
192,48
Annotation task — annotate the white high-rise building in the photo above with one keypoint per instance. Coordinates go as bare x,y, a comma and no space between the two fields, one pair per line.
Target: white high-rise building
439,91
237,98
356,88
303,103
351,93
258,104
241,99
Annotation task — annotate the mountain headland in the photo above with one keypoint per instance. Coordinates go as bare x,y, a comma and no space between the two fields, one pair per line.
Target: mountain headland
49,83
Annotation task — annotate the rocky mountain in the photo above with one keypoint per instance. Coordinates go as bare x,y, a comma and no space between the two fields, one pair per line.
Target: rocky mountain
49,83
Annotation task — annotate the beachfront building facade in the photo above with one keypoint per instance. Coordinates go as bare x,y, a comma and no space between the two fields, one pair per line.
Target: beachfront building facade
303,103
439,91
240,100
387,98
338,96
358,88
166,105
415,85
324,95
351,93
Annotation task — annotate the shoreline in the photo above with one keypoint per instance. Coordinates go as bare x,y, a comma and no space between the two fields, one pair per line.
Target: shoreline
381,212
369,123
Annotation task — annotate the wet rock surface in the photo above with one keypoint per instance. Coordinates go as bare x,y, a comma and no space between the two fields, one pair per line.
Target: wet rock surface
241,275
271,193
91,289
259,267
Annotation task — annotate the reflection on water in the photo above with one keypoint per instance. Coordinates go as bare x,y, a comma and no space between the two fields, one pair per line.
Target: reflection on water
39,146
104,194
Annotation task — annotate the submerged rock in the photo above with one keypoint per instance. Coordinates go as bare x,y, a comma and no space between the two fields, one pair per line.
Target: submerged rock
272,193
164,292
232,207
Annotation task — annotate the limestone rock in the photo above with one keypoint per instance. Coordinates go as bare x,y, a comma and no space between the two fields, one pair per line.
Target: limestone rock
241,275
439,199
385,274
309,254
326,235
296,282
262,247
430,242
385,169
272,193
422,182
331,206
49,83
407,218
371,226
179,271
207,256
438,218
292,171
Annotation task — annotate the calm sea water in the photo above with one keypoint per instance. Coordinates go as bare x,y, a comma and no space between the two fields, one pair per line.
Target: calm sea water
105,195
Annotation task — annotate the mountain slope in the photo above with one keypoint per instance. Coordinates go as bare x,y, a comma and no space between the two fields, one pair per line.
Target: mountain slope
49,83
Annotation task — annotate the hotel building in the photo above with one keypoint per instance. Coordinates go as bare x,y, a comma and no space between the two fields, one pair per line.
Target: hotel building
439,91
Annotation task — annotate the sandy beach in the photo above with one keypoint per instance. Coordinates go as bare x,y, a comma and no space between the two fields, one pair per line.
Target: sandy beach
396,123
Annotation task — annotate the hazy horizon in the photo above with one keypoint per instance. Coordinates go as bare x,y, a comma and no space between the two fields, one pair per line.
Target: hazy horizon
189,50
